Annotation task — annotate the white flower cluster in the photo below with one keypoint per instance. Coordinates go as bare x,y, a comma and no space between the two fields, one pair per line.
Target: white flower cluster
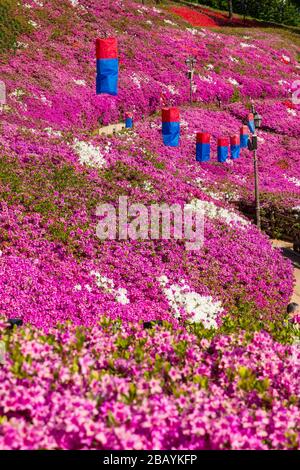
147,186
244,45
293,112
108,285
137,80
51,133
79,82
33,23
233,82
170,22
202,307
207,79
292,180
193,31
17,93
21,44
90,155
286,58
78,287
215,212
172,90
233,59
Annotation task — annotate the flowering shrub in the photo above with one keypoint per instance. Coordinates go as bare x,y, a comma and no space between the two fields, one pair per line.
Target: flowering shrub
124,387
188,384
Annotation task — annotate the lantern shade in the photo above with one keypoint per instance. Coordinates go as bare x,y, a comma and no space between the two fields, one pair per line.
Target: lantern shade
235,140
106,48
235,146
244,136
107,76
203,138
170,115
107,66
251,124
170,126
128,120
223,144
202,147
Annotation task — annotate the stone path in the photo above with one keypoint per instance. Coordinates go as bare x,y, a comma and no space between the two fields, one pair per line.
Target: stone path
112,128
287,250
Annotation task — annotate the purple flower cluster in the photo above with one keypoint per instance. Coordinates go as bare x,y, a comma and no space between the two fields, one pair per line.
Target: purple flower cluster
119,387
85,386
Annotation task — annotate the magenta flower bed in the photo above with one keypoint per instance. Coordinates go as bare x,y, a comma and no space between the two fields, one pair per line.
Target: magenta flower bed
121,388
91,384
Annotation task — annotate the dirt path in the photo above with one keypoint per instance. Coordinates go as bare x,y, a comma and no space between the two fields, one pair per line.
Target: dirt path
287,250
112,128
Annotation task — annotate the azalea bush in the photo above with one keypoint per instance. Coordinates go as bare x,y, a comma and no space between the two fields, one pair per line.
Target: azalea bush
121,386
218,368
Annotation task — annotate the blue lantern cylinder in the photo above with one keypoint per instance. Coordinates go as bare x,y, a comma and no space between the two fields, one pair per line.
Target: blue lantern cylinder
128,120
202,147
170,127
251,124
244,137
235,147
223,144
107,66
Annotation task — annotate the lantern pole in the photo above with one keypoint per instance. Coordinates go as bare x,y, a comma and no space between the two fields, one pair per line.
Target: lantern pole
190,62
253,146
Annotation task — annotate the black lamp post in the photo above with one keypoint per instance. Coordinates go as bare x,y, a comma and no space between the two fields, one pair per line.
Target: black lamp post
190,62
252,146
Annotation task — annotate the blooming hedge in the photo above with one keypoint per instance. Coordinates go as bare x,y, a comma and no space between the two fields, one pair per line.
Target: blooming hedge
120,386
187,384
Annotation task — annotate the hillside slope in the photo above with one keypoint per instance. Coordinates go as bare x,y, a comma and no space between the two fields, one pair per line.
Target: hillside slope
54,171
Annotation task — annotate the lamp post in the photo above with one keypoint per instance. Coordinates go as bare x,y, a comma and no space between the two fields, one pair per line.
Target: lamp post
190,62
252,146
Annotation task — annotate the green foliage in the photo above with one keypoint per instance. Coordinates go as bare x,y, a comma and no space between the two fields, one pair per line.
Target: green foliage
12,24
278,11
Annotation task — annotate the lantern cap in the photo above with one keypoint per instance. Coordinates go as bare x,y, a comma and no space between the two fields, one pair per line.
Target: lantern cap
106,48
170,114
235,139
203,138
223,142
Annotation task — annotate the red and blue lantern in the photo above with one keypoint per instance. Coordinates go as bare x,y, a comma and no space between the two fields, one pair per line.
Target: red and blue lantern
235,146
223,144
170,126
128,120
202,147
244,137
251,124
107,66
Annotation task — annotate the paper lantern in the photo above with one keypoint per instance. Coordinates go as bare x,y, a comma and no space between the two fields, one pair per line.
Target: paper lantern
223,144
170,126
107,66
202,147
235,146
244,137
128,120
251,124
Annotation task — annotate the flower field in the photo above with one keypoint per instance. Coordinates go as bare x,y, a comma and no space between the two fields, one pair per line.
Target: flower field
219,369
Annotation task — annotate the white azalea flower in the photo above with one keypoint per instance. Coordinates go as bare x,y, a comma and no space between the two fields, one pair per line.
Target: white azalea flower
215,212
202,308
88,154
108,285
